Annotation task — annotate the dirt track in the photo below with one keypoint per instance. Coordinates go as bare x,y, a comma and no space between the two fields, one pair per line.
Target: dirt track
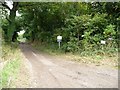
51,72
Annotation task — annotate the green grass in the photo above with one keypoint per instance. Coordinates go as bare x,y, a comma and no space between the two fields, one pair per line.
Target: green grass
99,57
11,54
50,49
9,73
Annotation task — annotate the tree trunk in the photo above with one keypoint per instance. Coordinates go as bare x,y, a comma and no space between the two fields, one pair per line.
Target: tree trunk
11,26
12,23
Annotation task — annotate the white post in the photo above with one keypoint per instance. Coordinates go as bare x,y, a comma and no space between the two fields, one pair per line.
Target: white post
59,38
59,44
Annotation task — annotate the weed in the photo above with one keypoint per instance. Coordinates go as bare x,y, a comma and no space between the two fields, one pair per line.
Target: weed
11,54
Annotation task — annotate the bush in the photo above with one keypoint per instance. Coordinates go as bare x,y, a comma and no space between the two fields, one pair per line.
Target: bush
85,33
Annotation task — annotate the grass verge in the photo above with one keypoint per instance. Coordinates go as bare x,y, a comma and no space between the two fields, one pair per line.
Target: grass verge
97,57
9,73
13,56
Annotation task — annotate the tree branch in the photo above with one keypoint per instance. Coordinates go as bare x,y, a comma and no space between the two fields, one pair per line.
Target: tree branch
8,19
15,6
4,5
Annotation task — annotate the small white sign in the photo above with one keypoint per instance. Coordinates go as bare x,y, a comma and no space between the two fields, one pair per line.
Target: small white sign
82,35
59,37
103,42
21,32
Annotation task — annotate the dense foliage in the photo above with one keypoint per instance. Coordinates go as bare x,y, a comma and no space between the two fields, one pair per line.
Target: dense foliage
82,25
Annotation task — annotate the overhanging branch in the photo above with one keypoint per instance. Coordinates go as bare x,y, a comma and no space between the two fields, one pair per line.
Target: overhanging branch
8,19
4,5
15,6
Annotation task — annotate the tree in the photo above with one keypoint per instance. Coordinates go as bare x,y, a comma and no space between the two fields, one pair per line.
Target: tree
11,19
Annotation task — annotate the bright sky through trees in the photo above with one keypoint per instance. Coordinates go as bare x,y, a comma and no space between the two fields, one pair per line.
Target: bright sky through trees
10,4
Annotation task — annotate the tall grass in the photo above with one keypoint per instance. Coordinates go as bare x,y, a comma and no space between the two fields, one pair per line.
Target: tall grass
102,56
11,54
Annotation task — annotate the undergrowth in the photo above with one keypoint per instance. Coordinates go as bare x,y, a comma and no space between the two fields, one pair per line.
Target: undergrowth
103,56
12,55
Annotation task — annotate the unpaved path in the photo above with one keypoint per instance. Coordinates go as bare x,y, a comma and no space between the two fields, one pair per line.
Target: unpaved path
51,72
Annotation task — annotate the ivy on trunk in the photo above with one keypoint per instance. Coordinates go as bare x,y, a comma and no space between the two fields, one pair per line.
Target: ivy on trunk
11,19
